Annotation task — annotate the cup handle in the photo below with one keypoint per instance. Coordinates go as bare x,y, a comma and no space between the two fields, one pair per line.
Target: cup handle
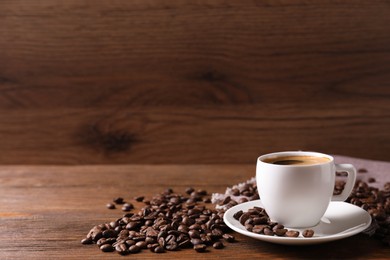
350,181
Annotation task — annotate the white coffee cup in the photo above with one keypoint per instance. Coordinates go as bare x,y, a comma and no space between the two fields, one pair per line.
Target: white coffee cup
298,195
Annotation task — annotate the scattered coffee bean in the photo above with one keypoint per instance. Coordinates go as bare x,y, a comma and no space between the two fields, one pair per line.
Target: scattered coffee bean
200,248
127,207
110,205
371,180
139,198
308,233
118,200
218,245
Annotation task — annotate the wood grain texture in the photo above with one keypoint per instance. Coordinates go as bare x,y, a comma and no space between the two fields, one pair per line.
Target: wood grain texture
46,210
85,82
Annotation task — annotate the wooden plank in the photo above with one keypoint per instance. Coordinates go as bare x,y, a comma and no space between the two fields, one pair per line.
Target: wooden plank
46,211
123,81
207,135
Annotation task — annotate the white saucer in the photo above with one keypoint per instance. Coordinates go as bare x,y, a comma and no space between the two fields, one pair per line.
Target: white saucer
341,220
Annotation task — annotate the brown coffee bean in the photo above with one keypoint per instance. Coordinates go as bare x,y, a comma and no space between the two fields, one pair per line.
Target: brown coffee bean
141,244
106,248
292,233
371,180
127,207
139,198
86,241
229,238
218,245
268,232
110,206
159,250
280,231
238,214
121,249
200,248
194,234
362,170
134,249
308,233
118,200
244,217
196,241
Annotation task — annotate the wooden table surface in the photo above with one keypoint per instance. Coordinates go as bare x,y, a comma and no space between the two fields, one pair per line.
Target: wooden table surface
46,210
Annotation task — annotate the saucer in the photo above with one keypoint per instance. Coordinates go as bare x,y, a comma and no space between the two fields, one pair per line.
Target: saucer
341,220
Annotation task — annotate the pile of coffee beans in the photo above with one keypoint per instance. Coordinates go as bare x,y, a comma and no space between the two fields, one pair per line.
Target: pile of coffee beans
256,220
167,222
377,203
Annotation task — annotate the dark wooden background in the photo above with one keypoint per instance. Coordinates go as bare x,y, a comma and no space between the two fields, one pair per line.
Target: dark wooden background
212,81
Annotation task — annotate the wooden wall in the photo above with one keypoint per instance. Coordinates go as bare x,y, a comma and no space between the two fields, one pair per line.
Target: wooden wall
211,81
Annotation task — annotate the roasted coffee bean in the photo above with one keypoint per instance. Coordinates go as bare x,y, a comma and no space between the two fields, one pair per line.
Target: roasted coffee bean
371,180
362,170
121,249
159,249
134,249
229,238
185,243
153,246
244,217
106,248
141,244
292,233
218,245
194,234
308,233
101,241
86,241
109,233
171,246
110,206
118,200
200,248
139,198
196,241
127,207
238,214
268,232
130,242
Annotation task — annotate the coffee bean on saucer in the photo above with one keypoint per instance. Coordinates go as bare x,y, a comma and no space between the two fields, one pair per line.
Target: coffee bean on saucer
292,233
238,214
308,233
268,232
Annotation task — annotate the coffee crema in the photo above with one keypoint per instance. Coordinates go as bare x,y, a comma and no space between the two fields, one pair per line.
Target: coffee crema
296,160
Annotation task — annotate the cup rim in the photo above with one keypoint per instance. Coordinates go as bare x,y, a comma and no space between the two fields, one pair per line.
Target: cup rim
299,153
